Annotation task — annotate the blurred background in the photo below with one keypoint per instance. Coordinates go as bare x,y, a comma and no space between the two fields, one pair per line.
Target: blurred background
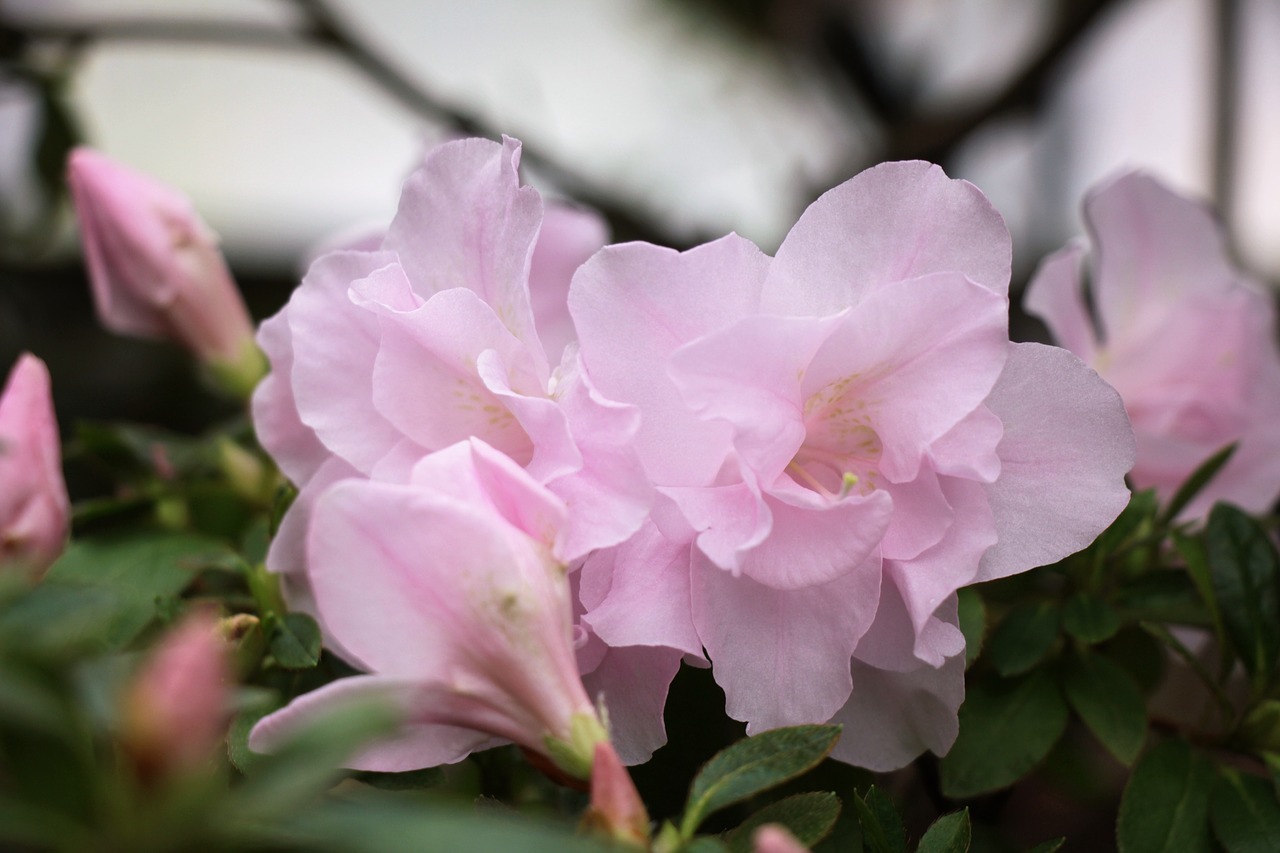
290,121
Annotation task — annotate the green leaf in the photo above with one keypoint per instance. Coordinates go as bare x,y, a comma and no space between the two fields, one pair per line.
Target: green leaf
295,641
1006,728
1109,702
1198,480
809,817
1023,638
412,780
705,844
753,765
1141,508
1139,654
1244,813
1165,807
139,570
1246,579
973,623
949,834
1272,760
238,752
1162,596
882,830
1089,619
1050,846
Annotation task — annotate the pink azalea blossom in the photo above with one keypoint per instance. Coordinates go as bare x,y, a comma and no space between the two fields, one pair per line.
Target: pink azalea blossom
156,270
773,838
459,613
840,438
34,509
176,709
1185,337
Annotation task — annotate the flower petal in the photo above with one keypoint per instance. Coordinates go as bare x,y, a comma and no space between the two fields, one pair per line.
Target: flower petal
569,236
632,683
1056,296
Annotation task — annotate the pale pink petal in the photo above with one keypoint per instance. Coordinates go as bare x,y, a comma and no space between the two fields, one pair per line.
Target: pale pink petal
631,683
637,594
465,222
426,384
921,516
335,346
478,475
892,717
773,838
1154,248
634,305
1056,296
541,419
889,223
729,519
782,656
748,374
416,745
814,539
568,237
610,496
968,449
911,359
291,443
1066,448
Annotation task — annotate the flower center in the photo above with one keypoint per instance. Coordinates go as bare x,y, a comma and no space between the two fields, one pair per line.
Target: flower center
841,450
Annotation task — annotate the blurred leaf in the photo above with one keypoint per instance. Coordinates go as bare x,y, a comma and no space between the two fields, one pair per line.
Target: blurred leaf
753,765
1051,846
30,826
1139,654
238,752
411,780
65,619
949,834
256,542
1141,508
809,817
1244,813
1246,579
1165,807
295,641
1089,619
973,622
1023,638
310,762
882,830
1261,726
1162,596
1005,730
703,844
29,701
1109,702
138,569
1199,478
1272,760
382,826
59,132
1192,550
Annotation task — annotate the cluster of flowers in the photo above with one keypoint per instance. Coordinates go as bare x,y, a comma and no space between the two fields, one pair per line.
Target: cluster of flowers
536,472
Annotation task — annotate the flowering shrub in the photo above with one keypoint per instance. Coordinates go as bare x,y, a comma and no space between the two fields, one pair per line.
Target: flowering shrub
503,480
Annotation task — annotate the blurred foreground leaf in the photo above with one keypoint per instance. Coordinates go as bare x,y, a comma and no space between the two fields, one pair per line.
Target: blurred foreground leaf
1165,808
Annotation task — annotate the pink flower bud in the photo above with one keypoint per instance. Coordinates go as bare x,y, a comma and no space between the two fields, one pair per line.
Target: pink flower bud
175,709
772,838
33,497
616,807
156,269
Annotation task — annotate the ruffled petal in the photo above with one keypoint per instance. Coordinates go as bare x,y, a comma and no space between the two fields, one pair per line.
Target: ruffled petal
569,236
632,683
1056,296
892,222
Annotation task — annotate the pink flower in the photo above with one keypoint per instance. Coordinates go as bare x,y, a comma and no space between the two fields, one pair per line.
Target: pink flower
382,357
156,269
175,710
33,498
1185,337
840,437
459,612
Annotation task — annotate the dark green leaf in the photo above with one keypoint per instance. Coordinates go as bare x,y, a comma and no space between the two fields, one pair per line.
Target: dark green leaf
1196,482
1244,814
882,830
1139,654
949,834
1005,730
1162,596
295,641
973,622
809,817
412,780
1261,726
138,569
241,757
1023,638
1050,846
1110,704
61,618
1165,808
1245,571
1272,761
1089,619
705,844
1141,508
753,765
